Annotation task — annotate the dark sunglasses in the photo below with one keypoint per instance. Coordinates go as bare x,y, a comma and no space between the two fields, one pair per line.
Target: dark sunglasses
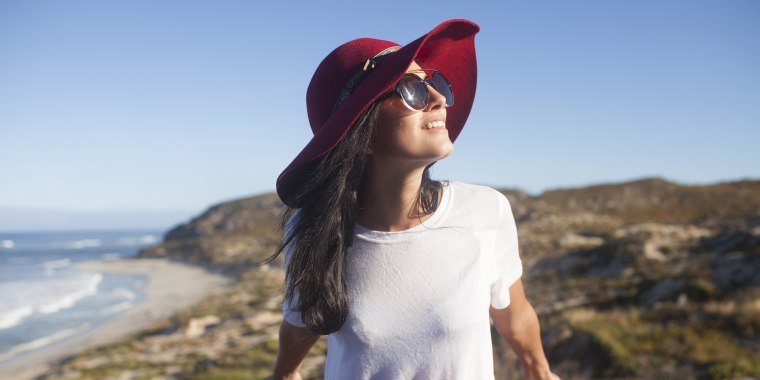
414,91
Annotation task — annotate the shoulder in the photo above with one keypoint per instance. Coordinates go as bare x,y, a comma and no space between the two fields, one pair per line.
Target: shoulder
481,204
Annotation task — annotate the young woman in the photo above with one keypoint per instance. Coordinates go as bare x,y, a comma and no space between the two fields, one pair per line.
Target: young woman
400,270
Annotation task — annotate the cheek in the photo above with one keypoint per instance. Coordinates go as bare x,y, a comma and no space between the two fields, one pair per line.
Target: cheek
384,138
385,130
394,136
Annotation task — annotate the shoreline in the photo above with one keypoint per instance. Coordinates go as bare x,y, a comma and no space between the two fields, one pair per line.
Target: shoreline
171,287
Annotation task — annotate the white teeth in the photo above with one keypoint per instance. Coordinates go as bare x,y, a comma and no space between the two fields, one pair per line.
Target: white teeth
435,124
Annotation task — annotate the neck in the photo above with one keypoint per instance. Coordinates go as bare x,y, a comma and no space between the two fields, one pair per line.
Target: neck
388,198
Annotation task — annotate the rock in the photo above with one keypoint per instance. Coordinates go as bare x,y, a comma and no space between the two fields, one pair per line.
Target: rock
683,300
663,290
197,326
651,252
572,242
736,270
263,319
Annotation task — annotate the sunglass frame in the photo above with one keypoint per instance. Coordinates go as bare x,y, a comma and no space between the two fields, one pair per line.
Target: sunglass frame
428,81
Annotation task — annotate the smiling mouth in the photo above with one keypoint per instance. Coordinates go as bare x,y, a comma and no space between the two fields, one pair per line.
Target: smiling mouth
438,124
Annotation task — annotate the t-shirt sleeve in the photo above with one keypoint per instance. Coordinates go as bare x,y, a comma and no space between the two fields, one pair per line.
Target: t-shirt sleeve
289,312
506,254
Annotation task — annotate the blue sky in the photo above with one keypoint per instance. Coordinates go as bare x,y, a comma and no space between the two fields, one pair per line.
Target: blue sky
162,109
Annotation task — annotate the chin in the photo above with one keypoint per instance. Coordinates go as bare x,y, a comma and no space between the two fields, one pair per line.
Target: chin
441,156
447,151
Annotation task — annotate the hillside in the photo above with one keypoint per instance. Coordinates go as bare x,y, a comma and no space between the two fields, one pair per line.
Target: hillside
644,279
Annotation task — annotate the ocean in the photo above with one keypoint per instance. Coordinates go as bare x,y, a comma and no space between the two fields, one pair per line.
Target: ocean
44,300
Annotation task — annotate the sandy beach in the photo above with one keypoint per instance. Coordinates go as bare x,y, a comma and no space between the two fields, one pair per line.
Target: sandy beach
171,287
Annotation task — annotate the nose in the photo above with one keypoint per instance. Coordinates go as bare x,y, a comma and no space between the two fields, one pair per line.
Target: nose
435,99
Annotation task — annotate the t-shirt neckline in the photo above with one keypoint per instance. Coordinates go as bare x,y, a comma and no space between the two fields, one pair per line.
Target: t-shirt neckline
434,219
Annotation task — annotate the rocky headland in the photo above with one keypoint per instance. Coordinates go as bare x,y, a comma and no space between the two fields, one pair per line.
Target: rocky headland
644,279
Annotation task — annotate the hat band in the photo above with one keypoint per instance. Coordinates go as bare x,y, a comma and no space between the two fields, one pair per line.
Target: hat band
355,80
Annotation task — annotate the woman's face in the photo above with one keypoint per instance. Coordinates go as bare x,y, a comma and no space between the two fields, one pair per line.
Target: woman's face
404,134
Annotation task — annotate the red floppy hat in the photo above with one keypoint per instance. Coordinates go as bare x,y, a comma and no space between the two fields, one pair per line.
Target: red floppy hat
448,48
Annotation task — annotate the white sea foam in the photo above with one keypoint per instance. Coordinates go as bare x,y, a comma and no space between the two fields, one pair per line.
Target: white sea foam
44,341
21,299
84,243
13,317
124,292
7,244
52,266
68,300
116,308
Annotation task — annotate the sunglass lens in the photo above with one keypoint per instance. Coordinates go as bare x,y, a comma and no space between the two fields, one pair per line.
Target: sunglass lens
442,85
413,91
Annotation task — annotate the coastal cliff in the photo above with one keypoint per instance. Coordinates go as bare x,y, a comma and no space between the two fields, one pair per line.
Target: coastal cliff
233,236
644,279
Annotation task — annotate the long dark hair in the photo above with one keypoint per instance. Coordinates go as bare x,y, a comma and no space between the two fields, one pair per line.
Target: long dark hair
323,230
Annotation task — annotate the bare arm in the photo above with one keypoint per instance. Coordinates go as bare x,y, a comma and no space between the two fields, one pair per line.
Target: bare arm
518,325
295,343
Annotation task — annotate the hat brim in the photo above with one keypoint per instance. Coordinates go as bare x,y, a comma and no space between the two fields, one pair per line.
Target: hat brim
449,48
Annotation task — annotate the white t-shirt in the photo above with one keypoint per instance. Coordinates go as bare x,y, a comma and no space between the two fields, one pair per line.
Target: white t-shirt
419,298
